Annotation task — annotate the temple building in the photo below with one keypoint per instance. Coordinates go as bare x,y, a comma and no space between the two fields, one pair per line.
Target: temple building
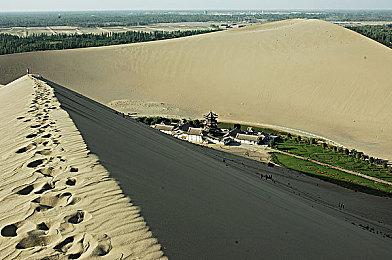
211,123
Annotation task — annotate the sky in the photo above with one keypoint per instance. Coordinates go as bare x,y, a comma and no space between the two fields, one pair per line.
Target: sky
93,5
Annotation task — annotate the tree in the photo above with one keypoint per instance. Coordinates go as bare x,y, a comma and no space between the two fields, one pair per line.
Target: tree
197,123
346,151
371,160
324,145
289,136
149,120
299,138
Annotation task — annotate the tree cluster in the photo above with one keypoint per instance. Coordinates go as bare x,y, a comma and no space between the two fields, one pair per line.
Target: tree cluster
15,44
379,33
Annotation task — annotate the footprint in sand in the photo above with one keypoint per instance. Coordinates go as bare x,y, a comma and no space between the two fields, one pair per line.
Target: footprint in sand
9,231
78,217
49,171
44,152
31,135
25,149
42,226
35,163
87,246
49,201
64,245
45,187
74,169
37,238
40,187
71,182
26,190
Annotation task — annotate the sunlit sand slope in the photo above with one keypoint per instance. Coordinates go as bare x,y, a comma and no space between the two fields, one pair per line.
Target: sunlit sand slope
304,74
57,201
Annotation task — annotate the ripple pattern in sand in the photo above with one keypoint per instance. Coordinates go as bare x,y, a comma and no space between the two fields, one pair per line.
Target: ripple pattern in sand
57,201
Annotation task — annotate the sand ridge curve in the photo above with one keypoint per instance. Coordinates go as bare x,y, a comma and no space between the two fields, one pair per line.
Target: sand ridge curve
57,200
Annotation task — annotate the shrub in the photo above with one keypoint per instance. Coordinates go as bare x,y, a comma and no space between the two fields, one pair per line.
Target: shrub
149,120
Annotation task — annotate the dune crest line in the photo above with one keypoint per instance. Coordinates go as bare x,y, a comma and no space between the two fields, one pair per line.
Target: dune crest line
57,200
301,74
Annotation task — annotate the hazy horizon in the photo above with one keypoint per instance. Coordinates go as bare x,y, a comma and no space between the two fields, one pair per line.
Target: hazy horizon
177,5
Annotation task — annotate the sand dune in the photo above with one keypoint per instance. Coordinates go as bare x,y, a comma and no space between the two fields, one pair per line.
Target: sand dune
57,200
304,74
201,208
61,151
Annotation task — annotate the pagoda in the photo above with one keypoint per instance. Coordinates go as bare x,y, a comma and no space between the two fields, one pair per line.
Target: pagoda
211,123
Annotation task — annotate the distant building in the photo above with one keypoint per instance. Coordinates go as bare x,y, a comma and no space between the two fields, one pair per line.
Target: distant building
194,135
234,132
167,129
211,124
248,139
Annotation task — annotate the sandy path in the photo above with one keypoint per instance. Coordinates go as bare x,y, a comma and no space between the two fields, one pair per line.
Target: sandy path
57,200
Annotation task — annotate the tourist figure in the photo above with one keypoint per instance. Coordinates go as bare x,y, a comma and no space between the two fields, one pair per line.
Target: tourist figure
224,159
28,71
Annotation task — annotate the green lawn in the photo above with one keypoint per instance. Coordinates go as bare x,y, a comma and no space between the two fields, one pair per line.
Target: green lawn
341,178
318,153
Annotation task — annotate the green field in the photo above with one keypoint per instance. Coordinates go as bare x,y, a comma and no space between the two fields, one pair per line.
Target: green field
318,153
335,176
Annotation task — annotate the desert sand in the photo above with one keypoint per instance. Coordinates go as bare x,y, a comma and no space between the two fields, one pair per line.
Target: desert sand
70,166
309,75
57,200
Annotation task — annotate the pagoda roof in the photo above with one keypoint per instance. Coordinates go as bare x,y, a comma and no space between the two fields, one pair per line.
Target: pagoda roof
211,115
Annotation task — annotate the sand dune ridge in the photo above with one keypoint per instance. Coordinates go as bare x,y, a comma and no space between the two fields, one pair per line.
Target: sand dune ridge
308,75
57,200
